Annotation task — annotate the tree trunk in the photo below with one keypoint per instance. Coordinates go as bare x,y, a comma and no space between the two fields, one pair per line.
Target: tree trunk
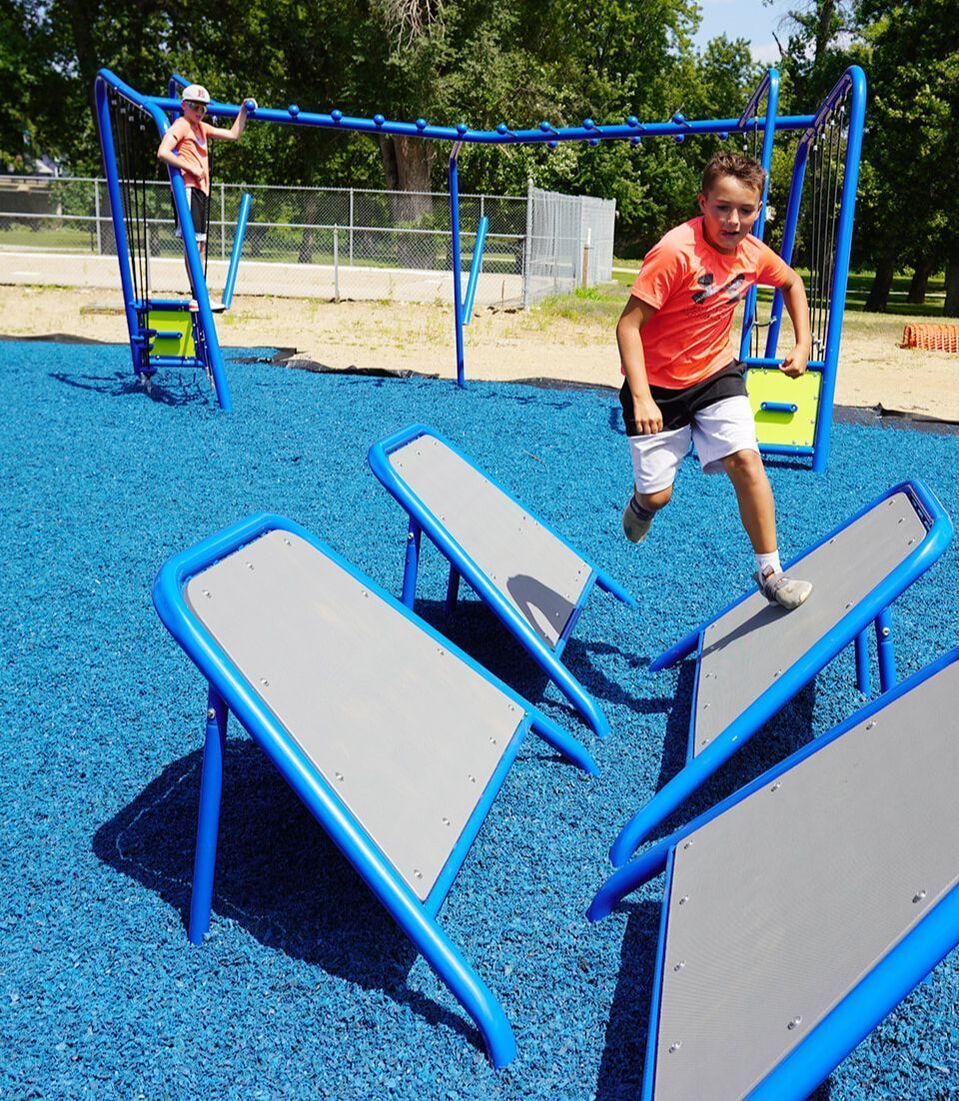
407,164
878,297
311,214
951,308
920,281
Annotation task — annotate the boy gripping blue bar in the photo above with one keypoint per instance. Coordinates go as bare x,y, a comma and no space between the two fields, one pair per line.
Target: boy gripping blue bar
188,604
911,550
536,584
914,940
238,236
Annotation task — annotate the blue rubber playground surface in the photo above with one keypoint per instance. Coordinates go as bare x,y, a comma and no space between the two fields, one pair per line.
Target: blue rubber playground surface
304,987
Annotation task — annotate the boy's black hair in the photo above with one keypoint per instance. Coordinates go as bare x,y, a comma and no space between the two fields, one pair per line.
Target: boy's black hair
745,169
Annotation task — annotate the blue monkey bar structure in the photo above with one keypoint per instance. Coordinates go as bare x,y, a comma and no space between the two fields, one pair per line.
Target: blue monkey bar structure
794,415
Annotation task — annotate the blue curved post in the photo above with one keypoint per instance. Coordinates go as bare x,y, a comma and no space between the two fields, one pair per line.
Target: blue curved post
238,236
476,265
208,821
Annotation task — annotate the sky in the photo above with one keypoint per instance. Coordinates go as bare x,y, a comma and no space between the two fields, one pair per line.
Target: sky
748,19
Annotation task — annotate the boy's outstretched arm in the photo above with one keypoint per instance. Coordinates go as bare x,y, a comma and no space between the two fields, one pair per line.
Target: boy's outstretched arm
649,419
794,297
239,124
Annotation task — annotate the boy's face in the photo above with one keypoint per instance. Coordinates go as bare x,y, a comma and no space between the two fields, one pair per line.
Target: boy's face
730,208
194,111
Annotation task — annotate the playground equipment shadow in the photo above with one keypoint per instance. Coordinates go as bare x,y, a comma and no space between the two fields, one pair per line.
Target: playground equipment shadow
303,988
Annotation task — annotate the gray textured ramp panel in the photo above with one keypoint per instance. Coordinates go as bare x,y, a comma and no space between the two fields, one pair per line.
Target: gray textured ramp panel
536,572
780,905
406,733
746,650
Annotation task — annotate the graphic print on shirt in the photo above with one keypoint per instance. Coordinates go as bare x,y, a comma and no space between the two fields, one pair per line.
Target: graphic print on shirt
706,281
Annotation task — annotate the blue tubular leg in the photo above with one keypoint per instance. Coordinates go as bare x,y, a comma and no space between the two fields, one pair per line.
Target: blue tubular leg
454,182
886,650
612,586
208,824
553,734
452,589
238,236
476,265
863,680
411,567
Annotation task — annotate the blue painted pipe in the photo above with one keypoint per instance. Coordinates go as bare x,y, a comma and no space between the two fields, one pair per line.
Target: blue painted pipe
208,823
238,236
475,266
778,407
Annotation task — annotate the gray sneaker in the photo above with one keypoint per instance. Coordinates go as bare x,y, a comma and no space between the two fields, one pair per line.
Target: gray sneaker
636,521
777,588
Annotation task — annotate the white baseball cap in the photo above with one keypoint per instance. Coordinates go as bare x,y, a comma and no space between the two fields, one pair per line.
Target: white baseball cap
195,93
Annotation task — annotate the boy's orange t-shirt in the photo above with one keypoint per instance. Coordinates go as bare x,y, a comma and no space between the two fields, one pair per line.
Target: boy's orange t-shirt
191,150
695,289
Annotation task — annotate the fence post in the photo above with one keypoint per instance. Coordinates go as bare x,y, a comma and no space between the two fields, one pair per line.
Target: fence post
336,263
222,221
96,213
351,227
527,246
587,245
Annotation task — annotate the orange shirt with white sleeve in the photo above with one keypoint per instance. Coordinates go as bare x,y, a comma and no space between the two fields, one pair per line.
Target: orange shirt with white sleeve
695,289
192,153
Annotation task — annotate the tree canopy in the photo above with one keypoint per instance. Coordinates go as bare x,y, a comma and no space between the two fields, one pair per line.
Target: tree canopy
486,61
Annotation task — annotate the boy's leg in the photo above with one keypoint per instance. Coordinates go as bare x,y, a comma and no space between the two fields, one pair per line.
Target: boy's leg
655,462
725,436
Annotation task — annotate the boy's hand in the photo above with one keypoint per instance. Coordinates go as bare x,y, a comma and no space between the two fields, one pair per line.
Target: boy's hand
794,364
648,417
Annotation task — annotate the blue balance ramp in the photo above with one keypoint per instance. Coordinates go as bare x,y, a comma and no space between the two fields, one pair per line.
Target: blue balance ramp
804,908
396,741
754,656
530,577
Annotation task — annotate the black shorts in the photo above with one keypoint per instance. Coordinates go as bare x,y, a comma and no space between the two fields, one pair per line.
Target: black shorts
679,406
199,202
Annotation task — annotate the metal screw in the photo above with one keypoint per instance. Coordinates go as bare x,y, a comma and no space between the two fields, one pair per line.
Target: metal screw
687,844
675,1047
869,726
249,565
417,873
679,966
795,1022
776,786
885,632
918,896
264,682
210,713
207,594
848,605
288,542
339,776
446,821
684,900
471,778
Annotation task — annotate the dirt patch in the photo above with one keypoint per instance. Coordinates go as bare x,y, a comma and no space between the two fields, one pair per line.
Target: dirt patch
502,345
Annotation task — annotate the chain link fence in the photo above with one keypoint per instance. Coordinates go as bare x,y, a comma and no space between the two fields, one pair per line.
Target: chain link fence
316,242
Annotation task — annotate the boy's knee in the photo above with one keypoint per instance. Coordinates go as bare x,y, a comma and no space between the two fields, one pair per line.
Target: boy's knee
745,466
653,502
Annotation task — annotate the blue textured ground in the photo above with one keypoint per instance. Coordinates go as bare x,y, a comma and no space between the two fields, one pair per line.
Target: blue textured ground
304,988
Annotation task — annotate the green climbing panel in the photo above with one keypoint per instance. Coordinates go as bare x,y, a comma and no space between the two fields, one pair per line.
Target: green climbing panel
174,333
785,408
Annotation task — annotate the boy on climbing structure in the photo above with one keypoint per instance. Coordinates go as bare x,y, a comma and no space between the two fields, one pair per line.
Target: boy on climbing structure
184,146
683,381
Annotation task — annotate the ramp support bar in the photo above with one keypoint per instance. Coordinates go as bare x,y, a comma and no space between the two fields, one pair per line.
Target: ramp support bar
238,236
452,589
411,568
886,651
208,821
863,680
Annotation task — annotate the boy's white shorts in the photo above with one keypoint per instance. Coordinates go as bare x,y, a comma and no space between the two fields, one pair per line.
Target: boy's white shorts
719,430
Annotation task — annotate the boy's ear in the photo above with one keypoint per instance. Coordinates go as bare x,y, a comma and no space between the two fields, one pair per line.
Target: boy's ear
701,199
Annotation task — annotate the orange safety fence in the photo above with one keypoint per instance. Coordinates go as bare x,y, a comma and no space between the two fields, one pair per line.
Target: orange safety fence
931,338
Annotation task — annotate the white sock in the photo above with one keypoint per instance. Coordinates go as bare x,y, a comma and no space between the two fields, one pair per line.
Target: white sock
771,559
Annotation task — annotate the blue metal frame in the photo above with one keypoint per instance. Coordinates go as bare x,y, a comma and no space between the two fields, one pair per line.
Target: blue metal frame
877,993
238,236
873,608
851,84
208,353
462,565
768,89
230,690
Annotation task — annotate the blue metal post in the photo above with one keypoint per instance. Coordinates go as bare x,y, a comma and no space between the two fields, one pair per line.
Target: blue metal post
452,589
789,243
104,125
476,265
238,236
454,184
886,650
208,823
855,81
411,566
769,86
863,680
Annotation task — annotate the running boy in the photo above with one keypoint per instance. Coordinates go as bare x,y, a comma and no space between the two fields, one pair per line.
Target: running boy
682,378
184,146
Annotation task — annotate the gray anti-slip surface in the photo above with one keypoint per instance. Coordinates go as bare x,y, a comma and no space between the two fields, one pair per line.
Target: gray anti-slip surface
754,643
534,570
406,733
781,904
